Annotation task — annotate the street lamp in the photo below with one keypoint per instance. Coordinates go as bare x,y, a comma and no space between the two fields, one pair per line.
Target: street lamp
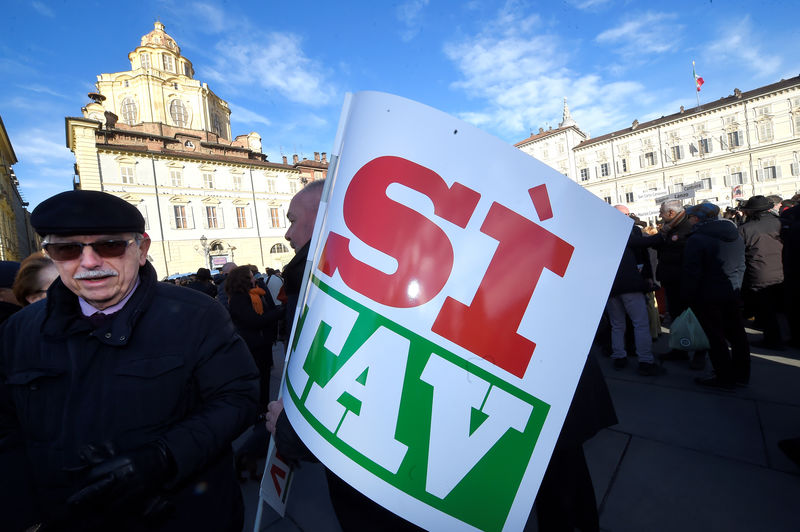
204,245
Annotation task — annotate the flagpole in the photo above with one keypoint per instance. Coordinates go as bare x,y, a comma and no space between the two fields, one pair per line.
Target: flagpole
696,89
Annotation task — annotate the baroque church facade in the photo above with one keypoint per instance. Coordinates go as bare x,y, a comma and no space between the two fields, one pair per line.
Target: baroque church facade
739,146
160,139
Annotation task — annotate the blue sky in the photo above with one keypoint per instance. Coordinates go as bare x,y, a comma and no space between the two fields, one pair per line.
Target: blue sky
284,67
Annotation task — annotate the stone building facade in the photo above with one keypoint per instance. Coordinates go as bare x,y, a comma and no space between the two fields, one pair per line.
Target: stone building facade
161,140
17,237
745,144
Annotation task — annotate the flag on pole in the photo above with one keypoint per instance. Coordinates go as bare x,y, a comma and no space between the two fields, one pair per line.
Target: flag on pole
698,81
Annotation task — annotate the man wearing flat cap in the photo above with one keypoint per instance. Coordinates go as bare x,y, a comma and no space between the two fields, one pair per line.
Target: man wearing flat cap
763,279
122,408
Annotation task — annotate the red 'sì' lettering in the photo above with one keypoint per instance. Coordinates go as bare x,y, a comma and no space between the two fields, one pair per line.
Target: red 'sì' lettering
525,249
391,227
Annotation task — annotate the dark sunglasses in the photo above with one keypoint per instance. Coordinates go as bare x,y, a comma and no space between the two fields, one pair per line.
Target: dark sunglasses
107,249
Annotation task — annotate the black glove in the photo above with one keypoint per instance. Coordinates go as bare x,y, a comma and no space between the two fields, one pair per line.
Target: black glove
113,478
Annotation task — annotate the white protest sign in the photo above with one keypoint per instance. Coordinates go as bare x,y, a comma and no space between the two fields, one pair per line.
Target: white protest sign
650,194
454,293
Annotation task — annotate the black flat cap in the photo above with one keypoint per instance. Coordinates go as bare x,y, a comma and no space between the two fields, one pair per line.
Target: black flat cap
86,212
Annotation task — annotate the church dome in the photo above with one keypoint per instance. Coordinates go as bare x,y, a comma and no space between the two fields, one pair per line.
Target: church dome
158,38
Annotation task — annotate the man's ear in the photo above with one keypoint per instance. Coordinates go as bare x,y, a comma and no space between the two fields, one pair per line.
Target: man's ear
144,247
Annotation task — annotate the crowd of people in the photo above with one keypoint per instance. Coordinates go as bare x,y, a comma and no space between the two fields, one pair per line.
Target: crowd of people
120,395
733,269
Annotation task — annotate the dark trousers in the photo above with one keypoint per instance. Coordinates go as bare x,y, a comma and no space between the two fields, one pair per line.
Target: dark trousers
566,497
766,304
675,303
723,324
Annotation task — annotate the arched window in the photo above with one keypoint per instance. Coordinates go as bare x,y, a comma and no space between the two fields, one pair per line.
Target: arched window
179,114
279,248
128,111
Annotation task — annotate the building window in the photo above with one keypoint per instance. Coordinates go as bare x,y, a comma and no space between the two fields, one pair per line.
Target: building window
169,64
769,172
607,199
180,217
706,183
208,180
704,145
144,60
584,174
293,186
735,178
241,217
629,197
622,165
176,177
650,158
271,186
317,175
765,130
186,70
279,248
126,83
734,139
179,114
237,181
128,174
604,170
175,86
676,152
275,217
128,111
216,124
211,217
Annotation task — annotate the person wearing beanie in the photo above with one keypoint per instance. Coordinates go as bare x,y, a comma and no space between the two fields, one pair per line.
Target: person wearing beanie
140,386
713,270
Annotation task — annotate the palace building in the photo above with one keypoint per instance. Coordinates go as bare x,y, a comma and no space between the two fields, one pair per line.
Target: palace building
17,237
160,139
745,144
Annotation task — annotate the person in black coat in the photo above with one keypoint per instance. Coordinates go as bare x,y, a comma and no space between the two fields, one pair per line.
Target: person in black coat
713,269
763,280
203,282
627,298
256,320
120,395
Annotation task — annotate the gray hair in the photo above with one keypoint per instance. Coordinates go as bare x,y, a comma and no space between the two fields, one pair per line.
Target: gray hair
672,205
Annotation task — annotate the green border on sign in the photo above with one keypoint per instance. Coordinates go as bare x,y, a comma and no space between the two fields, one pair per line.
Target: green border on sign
484,496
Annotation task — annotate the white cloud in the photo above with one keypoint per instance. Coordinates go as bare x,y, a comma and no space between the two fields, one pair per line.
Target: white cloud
738,46
521,74
240,114
408,13
43,9
248,58
588,4
214,18
39,146
644,33
41,89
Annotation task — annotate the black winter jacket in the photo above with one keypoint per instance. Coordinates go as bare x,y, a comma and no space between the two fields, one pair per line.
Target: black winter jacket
629,277
169,367
763,250
670,252
713,263
258,330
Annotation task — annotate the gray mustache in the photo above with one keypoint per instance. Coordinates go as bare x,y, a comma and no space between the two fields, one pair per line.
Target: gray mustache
95,274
